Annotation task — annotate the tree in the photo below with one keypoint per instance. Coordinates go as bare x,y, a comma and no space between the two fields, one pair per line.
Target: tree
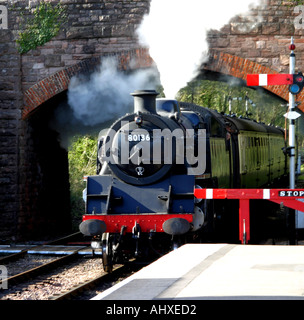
42,27
215,94
82,162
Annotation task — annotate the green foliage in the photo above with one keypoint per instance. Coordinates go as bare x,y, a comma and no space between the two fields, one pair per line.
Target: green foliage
292,3
214,95
42,26
297,2
82,162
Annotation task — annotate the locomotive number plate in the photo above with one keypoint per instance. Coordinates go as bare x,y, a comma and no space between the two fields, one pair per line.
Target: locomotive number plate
139,137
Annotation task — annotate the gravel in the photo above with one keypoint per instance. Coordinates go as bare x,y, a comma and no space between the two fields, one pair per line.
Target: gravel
27,263
55,282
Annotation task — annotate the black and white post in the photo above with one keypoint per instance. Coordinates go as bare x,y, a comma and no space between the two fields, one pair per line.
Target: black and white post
292,102
296,84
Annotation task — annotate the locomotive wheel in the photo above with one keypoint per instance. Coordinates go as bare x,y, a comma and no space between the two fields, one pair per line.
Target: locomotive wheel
107,255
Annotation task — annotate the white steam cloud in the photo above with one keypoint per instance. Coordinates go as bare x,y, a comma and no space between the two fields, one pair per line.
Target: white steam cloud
106,95
175,31
95,102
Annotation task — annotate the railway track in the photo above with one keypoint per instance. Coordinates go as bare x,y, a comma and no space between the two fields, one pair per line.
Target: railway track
14,252
70,276
53,282
29,274
17,256
63,277
99,283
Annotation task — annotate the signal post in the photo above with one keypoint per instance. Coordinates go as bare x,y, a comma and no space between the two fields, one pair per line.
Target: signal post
296,83
292,103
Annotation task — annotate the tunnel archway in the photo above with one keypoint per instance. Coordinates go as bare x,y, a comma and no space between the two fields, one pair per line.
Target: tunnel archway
230,65
45,182
219,62
49,87
45,188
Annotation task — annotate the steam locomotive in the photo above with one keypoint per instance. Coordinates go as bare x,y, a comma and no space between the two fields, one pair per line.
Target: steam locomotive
141,200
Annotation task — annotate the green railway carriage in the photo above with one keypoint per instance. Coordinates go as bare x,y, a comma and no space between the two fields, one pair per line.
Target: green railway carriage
261,158
241,153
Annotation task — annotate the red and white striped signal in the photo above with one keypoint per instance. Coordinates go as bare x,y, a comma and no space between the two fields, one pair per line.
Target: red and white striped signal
269,79
295,81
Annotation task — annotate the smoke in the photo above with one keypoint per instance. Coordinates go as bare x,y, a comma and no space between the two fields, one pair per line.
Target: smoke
106,95
95,102
176,32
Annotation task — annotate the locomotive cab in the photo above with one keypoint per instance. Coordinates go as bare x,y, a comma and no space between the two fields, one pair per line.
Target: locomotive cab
167,107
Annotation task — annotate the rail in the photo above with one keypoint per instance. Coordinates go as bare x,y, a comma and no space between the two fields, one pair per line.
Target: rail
119,271
34,272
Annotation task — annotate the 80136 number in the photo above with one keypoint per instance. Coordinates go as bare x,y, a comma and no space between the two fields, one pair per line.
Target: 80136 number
138,137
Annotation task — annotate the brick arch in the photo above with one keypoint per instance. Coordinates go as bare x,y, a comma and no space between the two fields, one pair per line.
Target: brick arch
59,81
220,62
239,67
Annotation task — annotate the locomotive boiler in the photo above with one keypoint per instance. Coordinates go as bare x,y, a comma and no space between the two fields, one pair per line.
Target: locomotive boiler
141,200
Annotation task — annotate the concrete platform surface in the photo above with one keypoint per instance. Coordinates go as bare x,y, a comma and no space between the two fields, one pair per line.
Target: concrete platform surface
217,271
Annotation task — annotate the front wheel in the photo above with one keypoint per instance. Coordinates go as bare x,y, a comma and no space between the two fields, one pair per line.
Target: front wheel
107,254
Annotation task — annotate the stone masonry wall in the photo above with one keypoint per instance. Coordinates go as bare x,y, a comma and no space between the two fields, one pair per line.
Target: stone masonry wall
94,28
264,36
10,116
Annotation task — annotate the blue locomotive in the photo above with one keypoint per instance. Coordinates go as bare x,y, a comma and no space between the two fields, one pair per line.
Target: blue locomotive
142,198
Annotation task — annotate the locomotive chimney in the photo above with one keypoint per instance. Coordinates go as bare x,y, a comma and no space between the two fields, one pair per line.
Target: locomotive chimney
145,101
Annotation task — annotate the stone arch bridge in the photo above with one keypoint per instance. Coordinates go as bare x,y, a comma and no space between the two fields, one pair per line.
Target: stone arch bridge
34,188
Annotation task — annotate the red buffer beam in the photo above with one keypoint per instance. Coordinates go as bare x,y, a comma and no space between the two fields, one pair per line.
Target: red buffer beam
269,79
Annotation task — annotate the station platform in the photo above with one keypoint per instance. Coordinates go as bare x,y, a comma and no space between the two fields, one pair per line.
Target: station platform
217,272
